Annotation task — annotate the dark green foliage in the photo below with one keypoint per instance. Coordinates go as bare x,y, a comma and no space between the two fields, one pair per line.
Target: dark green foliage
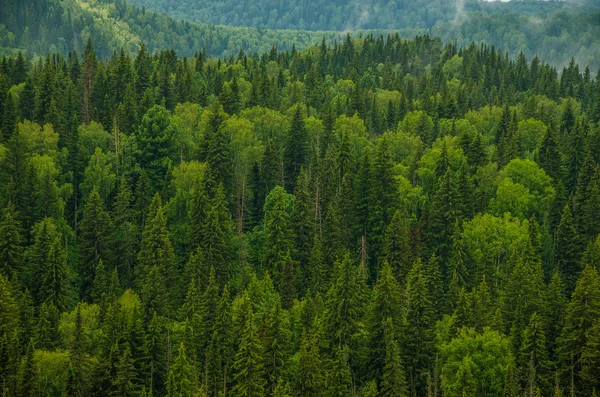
11,249
296,149
156,141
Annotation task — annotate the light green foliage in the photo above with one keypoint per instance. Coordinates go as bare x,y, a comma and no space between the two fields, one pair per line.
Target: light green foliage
475,364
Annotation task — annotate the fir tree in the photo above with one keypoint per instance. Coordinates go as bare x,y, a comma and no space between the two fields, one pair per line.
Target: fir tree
566,249
11,250
181,382
94,240
393,381
248,367
124,382
296,149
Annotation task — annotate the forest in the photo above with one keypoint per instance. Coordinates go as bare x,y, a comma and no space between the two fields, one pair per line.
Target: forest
556,31
377,217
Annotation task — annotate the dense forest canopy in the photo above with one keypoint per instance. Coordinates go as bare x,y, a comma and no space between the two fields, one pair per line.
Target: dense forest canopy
378,217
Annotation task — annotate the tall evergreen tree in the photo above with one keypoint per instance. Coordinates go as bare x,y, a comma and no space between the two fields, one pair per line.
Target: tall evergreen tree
296,149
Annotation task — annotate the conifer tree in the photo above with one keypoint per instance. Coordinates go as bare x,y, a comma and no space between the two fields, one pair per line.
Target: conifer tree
309,377
396,247
296,150
343,305
566,249
156,263
339,376
181,382
534,361
49,267
393,382
418,333
217,232
278,238
124,382
94,238
248,367
583,310
11,249
385,304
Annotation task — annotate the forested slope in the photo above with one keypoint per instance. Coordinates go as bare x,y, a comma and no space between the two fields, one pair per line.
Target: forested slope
378,218
554,30
36,27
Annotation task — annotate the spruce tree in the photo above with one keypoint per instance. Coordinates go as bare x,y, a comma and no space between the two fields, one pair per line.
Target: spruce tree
11,249
385,304
309,378
296,150
418,332
567,250
217,232
181,381
396,245
94,240
48,261
278,237
157,273
124,384
582,312
248,367
533,358
339,376
393,381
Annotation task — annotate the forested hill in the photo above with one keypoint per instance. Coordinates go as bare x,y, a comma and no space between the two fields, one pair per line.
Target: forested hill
376,218
340,15
554,30
551,30
38,26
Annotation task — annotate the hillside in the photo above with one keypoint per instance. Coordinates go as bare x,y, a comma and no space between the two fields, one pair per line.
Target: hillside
37,27
551,30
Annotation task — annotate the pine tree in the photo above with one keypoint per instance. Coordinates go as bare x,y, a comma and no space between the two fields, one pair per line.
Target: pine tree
49,266
278,238
217,232
124,384
156,261
156,350
385,304
396,247
534,361
457,267
11,250
156,138
94,238
216,148
27,382
343,307
554,307
303,218
339,376
309,378
248,368
581,313
296,149
382,198
393,382
590,359
549,156
418,333
181,382
566,249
